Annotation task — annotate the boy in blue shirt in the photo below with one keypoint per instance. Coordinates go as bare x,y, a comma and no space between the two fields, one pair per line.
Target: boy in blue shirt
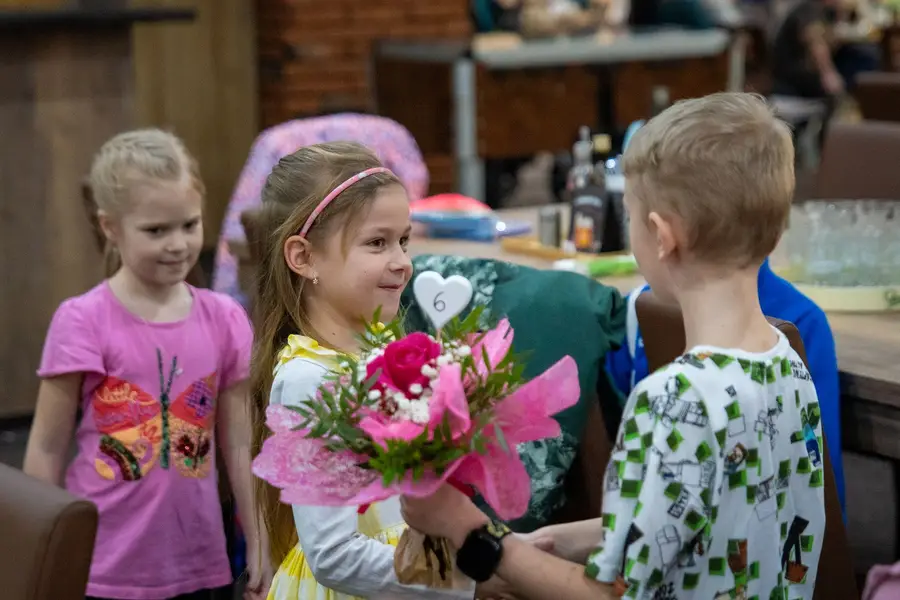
778,299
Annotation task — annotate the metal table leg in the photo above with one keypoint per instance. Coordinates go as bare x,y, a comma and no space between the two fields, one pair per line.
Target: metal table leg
737,58
470,167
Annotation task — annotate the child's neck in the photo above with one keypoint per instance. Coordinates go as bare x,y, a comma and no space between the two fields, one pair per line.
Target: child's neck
154,303
724,312
335,330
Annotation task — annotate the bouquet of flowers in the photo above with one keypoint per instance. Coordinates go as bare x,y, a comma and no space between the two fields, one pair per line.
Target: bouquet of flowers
415,411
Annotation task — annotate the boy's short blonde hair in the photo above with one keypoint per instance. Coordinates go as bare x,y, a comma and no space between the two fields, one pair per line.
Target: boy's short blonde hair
722,164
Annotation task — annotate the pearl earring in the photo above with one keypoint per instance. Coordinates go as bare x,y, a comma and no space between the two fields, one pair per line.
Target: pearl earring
315,280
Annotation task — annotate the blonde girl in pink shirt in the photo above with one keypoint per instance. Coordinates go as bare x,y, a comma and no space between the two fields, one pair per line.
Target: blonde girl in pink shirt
157,370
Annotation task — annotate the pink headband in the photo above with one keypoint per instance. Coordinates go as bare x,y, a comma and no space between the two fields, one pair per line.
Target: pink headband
337,192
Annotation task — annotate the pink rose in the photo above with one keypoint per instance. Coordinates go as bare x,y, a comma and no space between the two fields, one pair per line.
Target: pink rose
402,361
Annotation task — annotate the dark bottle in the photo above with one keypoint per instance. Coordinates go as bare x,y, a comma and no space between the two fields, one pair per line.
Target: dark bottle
588,197
617,230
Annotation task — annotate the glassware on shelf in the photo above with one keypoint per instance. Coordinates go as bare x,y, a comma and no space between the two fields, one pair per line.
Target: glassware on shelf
843,243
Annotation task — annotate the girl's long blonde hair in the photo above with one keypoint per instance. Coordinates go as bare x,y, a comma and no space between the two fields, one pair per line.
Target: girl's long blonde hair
128,159
292,191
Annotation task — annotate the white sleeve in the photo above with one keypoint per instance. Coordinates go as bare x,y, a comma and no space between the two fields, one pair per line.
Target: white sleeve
341,558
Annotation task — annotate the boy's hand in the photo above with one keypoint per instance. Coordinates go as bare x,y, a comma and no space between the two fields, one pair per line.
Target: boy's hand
494,589
570,541
542,539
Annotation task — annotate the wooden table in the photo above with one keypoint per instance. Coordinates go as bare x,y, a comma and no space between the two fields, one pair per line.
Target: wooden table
868,350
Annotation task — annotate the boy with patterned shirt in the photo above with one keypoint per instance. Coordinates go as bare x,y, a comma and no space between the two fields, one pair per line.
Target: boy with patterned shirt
715,486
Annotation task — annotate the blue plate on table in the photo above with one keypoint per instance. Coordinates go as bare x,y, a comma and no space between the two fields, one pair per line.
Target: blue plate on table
468,226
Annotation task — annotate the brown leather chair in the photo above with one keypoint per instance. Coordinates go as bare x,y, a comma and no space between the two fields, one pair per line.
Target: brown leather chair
890,47
664,340
878,96
250,221
250,224
585,479
859,161
46,542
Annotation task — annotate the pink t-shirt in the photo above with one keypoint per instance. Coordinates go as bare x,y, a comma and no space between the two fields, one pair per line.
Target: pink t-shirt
146,440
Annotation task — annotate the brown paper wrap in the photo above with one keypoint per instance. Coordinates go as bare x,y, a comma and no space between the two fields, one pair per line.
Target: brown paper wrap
428,561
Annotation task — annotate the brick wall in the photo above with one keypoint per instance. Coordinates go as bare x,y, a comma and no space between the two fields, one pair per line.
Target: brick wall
314,54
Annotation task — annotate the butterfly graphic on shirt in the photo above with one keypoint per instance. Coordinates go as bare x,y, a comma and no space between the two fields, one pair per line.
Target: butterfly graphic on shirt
139,431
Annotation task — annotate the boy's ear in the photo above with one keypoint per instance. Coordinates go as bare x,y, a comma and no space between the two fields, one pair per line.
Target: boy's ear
298,256
665,232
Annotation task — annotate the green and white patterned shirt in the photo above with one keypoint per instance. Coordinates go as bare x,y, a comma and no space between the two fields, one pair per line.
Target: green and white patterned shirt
715,488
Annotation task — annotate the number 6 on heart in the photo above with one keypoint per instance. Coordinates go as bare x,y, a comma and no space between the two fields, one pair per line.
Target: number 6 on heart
441,299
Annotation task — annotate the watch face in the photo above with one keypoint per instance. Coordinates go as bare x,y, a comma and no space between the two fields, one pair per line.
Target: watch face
482,551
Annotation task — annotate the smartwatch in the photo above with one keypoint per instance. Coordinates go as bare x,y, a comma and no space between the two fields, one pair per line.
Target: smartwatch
481,553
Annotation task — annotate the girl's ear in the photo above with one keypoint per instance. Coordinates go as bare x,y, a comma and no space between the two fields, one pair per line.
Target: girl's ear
298,256
108,226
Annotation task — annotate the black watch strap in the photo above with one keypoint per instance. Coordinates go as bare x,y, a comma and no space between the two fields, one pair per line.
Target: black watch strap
481,553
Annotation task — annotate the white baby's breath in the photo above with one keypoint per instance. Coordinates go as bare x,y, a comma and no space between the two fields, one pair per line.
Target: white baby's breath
418,412
415,410
463,351
415,389
374,395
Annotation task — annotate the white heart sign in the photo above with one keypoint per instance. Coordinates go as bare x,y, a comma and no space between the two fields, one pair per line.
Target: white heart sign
441,299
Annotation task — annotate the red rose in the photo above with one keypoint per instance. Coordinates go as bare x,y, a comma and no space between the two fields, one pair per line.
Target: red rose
402,361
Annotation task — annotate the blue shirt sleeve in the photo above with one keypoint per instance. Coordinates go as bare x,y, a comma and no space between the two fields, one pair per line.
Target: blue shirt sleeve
822,358
627,370
619,366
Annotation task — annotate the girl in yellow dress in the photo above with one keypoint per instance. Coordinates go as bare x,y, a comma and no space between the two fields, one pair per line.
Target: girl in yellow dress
331,243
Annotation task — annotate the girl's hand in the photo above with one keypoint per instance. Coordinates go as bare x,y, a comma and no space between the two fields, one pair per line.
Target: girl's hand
260,576
448,513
